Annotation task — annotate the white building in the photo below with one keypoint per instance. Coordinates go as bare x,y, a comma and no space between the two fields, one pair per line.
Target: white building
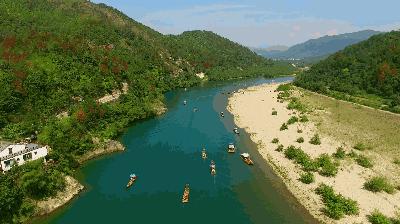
18,154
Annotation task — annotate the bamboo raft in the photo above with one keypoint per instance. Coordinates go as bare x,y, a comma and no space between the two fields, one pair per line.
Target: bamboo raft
186,192
132,179
246,158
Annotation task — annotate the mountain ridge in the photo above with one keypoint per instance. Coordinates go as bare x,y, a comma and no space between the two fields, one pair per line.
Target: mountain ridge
320,47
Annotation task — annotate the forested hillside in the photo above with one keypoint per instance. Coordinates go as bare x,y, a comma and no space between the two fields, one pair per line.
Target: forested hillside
317,49
367,73
58,57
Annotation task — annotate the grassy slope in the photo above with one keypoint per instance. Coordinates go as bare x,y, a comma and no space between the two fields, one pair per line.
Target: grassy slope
365,73
348,122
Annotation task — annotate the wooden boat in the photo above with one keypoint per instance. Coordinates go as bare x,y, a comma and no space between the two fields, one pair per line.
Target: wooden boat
132,179
213,171
222,114
246,158
236,130
231,148
184,102
186,192
204,154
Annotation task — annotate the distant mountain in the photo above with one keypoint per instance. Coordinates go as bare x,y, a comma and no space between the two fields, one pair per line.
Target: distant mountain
366,73
270,50
320,48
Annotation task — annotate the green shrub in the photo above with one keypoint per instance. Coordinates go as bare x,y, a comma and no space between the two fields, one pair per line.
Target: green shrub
396,161
274,112
283,95
315,140
275,140
300,157
340,153
303,118
284,87
360,147
379,184
295,104
352,154
40,183
307,178
328,167
300,140
336,206
299,131
283,127
378,218
279,148
364,161
292,120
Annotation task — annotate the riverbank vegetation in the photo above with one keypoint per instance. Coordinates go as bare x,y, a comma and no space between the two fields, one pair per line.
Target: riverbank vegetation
365,73
336,206
366,136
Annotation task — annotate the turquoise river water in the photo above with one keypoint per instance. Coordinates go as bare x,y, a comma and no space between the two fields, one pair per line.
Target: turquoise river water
165,154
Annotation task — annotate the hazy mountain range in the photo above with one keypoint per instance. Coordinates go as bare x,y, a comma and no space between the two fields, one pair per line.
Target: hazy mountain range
316,49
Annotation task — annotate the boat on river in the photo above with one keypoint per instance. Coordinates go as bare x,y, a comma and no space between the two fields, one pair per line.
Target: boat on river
222,114
236,130
132,179
213,170
231,148
186,192
184,102
204,154
246,158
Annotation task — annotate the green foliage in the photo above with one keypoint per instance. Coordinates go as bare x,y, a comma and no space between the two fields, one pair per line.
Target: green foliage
315,140
328,167
352,154
378,184
284,87
336,206
300,140
274,112
300,157
396,161
275,141
279,148
283,127
366,73
303,118
60,56
292,120
377,217
307,178
295,104
360,146
364,161
11,198
340,153
299,131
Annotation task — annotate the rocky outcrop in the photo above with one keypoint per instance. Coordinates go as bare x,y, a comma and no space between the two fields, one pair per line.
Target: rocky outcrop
106,147
72,188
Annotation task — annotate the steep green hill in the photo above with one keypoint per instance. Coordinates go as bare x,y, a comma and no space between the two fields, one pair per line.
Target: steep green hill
217,56
367,73
321,47
58,57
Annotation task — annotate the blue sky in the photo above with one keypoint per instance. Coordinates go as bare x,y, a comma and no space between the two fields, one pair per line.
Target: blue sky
261,23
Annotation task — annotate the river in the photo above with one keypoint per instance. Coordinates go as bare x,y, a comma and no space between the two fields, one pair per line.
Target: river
165,153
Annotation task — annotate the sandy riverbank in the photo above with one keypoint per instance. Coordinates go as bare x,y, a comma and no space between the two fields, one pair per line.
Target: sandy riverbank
253,108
